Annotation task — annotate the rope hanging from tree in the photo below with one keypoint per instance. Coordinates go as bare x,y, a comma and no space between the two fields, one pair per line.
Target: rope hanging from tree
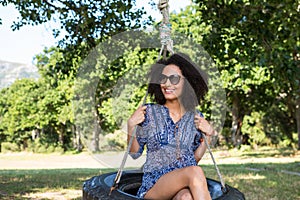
167,45
165,29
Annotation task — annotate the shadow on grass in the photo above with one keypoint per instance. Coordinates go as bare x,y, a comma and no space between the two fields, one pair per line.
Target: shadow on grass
263,181
270,152
21,184
257,181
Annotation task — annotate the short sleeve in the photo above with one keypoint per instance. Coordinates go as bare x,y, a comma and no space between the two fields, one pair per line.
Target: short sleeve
198,135
197,142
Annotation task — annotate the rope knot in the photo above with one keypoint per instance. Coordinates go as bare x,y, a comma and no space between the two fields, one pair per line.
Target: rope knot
165,27
165,33
165,36
162,4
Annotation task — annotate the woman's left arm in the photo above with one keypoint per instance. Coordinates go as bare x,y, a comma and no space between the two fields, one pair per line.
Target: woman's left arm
201,149
204,126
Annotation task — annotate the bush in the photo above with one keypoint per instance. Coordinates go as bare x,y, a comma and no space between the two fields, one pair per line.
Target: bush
287,142
37,146
41,149
253,127
245,148
51,149
9,147
117,140
59,149
224,138
279,124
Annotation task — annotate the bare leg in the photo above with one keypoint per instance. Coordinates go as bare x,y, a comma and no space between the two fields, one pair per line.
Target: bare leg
184,194
169,184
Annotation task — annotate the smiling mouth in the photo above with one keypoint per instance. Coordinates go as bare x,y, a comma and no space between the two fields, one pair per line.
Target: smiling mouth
169,91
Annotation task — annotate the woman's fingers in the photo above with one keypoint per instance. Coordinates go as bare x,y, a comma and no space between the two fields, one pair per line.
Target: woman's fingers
203,125
138,116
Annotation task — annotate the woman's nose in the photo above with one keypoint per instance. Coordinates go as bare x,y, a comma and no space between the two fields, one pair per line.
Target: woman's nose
168,83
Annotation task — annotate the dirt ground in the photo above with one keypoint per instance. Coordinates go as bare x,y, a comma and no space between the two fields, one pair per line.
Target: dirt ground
57,161
25,160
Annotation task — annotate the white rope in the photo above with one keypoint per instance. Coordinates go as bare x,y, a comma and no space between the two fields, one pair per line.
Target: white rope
167,44
121,168
224,189
215,164
165,29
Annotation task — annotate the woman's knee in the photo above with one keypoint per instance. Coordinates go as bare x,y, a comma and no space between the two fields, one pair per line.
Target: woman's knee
184,194
196,172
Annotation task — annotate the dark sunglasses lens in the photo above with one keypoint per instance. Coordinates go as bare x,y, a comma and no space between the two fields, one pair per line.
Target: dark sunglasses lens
163,79
174,79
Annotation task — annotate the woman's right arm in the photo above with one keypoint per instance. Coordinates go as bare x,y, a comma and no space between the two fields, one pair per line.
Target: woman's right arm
136,118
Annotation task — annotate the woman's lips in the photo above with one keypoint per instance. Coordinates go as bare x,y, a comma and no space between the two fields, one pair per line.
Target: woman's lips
169,91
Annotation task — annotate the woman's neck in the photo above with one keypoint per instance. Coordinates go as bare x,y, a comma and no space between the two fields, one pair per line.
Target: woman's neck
175,108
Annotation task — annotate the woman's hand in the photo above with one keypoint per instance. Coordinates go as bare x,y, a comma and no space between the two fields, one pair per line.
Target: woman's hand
203,125
137,117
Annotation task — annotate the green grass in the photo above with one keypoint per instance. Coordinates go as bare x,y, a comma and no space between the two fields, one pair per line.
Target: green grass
23,184
257,180
263,181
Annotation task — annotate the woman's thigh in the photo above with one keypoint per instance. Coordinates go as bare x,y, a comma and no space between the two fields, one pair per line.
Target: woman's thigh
169,184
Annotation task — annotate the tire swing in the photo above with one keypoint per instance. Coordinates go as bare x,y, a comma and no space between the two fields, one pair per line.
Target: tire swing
124,184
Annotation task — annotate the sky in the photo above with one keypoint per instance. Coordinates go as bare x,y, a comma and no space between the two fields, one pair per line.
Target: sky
22,45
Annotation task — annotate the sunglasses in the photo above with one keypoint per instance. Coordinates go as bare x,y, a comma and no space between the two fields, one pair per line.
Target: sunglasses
174,79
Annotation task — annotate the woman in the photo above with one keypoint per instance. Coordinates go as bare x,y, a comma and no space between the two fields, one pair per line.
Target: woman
172,131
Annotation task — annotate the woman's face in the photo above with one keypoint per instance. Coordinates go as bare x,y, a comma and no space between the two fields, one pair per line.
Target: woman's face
171,82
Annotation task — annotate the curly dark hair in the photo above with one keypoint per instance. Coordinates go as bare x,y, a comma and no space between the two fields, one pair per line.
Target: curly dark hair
195,85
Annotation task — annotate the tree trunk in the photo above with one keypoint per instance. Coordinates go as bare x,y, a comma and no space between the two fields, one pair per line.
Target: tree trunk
298,120
77,138
236,136
61,131
96,133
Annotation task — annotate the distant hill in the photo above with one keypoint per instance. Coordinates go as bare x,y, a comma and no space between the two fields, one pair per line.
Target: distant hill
10,71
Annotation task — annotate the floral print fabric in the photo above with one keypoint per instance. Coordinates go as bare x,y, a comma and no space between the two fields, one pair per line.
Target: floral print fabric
170,145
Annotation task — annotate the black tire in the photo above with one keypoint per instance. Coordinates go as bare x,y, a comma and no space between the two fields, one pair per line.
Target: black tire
98,187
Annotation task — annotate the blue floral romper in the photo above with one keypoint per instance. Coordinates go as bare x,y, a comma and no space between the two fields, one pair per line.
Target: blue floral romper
169,145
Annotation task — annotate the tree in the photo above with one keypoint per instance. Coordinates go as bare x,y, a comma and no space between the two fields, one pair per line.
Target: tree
264,38
80,21
84,24
3,109
101,75
252,45
19,113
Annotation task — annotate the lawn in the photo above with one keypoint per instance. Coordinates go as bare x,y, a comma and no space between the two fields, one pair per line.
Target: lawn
257,180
